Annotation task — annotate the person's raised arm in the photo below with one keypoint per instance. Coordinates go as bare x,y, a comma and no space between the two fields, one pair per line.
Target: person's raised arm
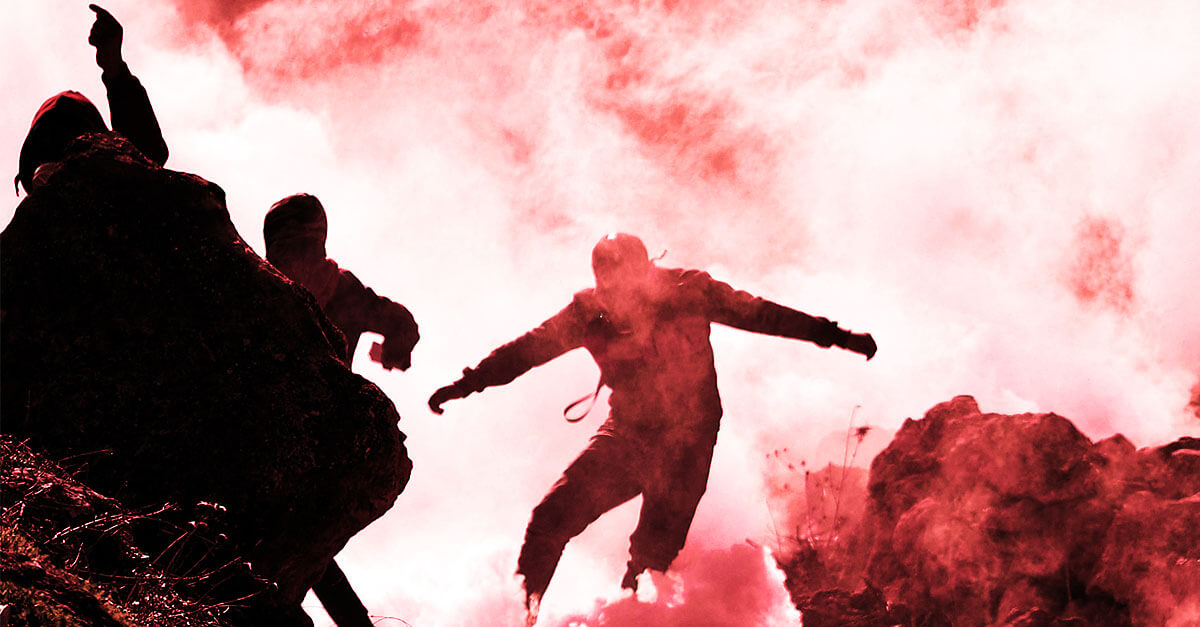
128,104
745,311
552,338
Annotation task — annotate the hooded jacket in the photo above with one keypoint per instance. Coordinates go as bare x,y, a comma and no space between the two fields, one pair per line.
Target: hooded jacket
660,364
295,230
69,114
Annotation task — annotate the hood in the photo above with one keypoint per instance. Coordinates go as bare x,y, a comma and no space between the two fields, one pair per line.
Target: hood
59,120
296,221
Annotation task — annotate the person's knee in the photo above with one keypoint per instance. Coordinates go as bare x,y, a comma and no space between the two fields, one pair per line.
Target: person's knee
555,519
655,546
544,527
569,508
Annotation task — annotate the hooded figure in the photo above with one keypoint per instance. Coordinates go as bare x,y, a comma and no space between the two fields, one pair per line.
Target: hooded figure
648,330
68,115
295,229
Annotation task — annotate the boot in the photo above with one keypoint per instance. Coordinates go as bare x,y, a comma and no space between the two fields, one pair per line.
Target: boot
629,581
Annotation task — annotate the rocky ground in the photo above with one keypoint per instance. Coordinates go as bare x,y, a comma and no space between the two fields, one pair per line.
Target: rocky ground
71,556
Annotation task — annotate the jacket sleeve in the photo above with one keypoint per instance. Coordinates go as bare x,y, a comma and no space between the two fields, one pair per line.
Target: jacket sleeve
359,308
556,336
745,311
132,115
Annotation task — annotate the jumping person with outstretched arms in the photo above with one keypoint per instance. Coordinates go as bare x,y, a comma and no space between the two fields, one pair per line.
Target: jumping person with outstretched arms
648,330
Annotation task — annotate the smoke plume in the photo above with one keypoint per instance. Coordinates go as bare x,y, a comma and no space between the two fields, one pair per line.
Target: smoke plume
1002,193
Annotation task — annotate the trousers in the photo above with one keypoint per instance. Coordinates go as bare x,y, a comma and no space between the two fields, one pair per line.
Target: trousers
669,475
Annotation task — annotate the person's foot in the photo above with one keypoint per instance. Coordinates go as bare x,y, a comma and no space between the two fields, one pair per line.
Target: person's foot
629,581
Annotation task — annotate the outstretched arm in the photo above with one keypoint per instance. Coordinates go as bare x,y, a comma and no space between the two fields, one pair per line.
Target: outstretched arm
745,311
552,338
132,115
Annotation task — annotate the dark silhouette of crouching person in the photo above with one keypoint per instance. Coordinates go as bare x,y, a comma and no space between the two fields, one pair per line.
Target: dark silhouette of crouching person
295,230
69,115
648,330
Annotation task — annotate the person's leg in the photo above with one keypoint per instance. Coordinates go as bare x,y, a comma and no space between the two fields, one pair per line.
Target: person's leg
597,481
339,599
673,487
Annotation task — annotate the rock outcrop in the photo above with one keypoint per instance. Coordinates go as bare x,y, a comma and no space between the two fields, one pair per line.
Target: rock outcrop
989,519
145,342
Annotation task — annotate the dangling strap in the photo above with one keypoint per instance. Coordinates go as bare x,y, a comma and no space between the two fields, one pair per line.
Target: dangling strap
593,396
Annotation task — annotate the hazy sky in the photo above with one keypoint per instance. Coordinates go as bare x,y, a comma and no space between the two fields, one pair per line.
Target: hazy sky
1004,193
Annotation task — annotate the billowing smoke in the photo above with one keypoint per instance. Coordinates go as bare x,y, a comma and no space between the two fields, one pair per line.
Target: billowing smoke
737,586
1003,193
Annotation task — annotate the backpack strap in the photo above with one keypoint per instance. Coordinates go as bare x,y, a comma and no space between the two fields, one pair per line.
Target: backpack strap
592,397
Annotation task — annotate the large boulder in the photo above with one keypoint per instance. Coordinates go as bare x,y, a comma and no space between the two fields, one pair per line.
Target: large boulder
986,513
146,342
991,519
1151,559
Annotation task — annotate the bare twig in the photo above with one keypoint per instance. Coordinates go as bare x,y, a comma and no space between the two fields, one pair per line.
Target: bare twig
837,499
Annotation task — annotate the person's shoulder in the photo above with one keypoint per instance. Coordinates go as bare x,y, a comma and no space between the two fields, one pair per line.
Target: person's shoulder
585,300
684,277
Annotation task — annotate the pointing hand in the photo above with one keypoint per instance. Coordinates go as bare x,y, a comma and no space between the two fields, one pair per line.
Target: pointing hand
106,36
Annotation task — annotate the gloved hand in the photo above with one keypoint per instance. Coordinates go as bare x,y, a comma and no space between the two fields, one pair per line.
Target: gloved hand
861,343
447,393
399,337
395,351
106,35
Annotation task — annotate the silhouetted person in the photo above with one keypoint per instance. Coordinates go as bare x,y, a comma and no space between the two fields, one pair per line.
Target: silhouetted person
295,229
70,114
648,330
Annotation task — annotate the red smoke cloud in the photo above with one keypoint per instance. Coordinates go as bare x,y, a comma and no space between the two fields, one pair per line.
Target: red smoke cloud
1102,272
737,586
219,14
689,131
962,14
1003,193
1195,402
692,137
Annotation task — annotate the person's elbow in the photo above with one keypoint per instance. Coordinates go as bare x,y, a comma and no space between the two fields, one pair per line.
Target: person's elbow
158,153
